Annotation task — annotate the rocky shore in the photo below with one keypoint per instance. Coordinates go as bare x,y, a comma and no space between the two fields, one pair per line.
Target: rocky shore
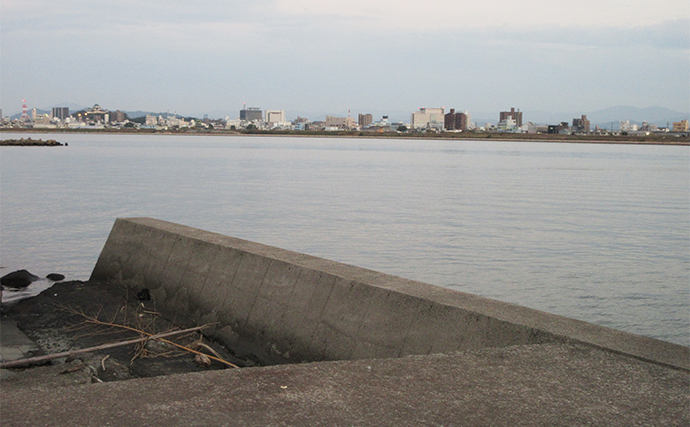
74,315
30,142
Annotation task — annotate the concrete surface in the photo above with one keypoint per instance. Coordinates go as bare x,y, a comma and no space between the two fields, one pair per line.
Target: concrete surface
14,345
532,385
482,362
284,306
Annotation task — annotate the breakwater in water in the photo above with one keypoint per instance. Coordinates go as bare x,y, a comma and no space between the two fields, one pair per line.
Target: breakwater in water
30,142
282,306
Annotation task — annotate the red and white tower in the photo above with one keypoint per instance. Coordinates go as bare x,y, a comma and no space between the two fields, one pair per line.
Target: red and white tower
24,109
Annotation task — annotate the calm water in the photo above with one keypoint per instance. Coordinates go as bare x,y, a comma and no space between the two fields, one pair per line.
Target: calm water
595,232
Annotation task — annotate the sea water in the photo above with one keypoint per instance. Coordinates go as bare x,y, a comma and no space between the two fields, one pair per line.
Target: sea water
597,232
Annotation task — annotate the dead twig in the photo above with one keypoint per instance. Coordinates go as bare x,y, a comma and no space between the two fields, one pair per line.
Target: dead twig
217,359
38,359
103,361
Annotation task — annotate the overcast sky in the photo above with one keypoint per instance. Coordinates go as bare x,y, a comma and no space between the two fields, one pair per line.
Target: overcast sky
311,57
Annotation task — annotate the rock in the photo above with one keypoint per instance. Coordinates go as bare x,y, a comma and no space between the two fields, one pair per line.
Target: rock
202,360
144,295
55,277
156,347
18,279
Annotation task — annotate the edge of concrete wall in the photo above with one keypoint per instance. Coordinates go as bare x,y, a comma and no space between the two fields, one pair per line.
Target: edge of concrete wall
286,306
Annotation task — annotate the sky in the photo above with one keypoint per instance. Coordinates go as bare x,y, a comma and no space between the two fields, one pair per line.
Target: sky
315,57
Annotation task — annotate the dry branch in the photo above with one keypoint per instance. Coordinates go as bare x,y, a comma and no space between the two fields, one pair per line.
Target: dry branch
94,320
38,359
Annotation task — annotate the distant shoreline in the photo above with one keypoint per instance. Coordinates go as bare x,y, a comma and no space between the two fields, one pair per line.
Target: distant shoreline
672,139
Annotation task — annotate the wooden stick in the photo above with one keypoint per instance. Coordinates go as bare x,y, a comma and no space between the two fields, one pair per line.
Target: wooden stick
129,328
33,360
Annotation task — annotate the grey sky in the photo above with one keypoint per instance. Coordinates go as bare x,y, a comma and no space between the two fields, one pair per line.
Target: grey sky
314,56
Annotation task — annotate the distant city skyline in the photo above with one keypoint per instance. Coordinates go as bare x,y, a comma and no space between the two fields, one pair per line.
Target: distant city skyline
321,58
658,115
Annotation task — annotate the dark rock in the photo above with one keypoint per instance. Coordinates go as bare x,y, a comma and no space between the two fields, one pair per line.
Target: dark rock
144,295
18,279
55,277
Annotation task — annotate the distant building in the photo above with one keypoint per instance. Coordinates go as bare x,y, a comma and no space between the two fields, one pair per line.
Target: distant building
333,123
512,114
93,114
626,126
365,119
428,118
581,124
60,113
151,120
455,121
507,125
384,125
275,116
251,114
681,126
649,127
119,116
561,128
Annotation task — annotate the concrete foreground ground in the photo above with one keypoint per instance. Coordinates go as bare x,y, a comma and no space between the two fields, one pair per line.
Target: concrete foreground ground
535,385
425,356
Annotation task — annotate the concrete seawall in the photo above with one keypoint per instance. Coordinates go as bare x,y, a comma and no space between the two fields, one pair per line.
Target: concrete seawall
282,306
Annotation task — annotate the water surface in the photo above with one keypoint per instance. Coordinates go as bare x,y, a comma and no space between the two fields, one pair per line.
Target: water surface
595,232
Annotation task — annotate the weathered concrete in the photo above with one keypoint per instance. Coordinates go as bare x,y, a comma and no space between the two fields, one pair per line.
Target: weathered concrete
531,385
285,306
14,345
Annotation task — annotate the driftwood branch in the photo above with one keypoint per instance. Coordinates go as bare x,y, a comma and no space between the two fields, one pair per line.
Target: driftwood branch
38,359
185,348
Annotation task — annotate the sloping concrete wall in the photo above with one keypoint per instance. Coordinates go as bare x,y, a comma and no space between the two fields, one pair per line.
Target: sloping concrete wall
282,306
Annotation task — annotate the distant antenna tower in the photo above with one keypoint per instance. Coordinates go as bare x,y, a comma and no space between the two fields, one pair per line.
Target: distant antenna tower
24,109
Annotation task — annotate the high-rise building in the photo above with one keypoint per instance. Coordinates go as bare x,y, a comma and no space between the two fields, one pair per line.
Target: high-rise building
512,114
455,121
365,119
251,114
60,113
581,125
275,116
431,118
119,116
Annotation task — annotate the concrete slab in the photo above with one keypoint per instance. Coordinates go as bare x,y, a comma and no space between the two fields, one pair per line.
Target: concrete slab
366,314
14,345
535,385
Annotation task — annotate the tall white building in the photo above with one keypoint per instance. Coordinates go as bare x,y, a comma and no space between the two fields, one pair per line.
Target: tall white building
626,126
432,118
275,116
